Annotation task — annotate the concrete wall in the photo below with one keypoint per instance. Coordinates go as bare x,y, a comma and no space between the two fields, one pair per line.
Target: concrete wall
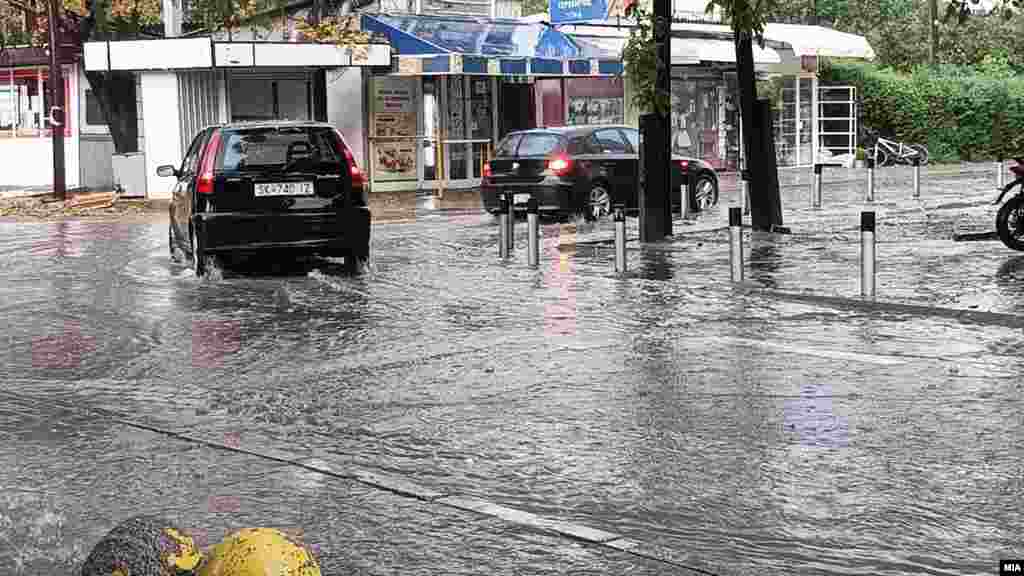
95,145
97,172
159,92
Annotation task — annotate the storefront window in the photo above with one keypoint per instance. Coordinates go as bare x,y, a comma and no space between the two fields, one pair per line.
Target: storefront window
481,122
25,102
595,101
696,129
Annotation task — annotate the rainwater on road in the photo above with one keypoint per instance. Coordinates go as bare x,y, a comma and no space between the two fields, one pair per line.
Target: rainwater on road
749,433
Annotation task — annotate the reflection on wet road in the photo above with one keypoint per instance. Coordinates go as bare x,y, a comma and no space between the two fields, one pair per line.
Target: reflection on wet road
749,433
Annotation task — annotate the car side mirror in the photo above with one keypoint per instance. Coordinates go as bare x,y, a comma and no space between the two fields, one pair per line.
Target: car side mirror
166,171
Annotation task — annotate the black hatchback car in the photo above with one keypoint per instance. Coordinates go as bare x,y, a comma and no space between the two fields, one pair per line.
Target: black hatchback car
252,187
582,170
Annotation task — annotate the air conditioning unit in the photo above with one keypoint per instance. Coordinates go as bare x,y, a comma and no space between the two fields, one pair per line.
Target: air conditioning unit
130,174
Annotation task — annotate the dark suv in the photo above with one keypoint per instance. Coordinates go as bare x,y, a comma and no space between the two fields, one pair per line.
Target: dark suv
245,188
582,170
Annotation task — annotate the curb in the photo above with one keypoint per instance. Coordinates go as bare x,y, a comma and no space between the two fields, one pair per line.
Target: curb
980,317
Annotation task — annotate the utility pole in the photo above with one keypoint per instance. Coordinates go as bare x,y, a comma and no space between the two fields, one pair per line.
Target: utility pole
56,116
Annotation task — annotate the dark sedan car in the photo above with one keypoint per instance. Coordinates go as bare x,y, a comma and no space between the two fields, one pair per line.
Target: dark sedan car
253,187
582,170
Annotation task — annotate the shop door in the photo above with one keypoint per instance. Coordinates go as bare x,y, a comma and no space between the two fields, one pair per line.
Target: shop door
837,121
516,105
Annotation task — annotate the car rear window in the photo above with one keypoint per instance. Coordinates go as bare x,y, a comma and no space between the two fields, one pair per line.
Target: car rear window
283,147
539,144
508,145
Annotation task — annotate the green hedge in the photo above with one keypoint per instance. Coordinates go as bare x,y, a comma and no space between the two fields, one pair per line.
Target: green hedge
958,113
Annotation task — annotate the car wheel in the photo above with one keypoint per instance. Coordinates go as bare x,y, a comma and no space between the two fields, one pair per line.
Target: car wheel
356,261
599,202
706,193
200,259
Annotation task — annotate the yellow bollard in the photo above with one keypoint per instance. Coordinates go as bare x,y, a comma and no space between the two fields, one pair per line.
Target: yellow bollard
143,546
258,552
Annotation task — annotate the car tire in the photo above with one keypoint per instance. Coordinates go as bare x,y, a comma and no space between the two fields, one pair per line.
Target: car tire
598,202
170,243
705,194
200,259
356,261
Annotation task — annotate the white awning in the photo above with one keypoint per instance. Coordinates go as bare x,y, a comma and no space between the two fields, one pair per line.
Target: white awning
820,41
685,50
716,44
204,54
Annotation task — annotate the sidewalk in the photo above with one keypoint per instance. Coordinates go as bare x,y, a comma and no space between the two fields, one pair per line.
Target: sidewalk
919,261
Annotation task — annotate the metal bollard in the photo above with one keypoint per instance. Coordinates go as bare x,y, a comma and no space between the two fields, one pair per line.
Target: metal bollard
620,238
917,178
1000,174
867,254
533,223
871,180
684,198
816,193
736,243
511,223
503,250
745,191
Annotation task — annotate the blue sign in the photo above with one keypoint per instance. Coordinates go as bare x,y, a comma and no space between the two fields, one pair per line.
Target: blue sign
565,11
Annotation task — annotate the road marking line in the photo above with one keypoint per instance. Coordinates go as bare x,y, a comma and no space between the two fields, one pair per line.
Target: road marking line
808,351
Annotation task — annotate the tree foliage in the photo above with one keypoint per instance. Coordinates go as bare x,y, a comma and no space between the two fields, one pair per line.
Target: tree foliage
959,112
640,63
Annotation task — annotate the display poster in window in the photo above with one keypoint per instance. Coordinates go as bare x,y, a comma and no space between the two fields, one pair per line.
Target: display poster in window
585,110
394,129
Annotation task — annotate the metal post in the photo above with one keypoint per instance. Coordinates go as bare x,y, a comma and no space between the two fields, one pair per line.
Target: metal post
816,193
917,178
745,191
1000,174
871,180
533,223
14,107
620,238
503,227
736,243
867,254
510,222
56,111
689,193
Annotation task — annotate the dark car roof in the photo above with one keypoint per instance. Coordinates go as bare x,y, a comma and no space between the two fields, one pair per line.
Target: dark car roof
571,130
263,124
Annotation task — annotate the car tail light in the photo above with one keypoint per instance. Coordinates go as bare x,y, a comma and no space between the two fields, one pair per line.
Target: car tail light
353,168
205,183
683,164
560,165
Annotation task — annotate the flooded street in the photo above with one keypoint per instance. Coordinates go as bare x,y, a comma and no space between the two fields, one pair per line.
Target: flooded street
744,432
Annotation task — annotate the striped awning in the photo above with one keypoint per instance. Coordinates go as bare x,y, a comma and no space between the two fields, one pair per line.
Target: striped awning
425,45
489,66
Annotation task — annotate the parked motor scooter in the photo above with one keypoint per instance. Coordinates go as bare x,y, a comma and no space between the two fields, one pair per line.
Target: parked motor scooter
1010,218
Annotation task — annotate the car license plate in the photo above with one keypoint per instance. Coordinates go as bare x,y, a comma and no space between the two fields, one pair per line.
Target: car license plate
521,198
284,189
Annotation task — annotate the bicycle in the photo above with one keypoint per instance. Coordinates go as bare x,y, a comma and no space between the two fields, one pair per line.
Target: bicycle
888,152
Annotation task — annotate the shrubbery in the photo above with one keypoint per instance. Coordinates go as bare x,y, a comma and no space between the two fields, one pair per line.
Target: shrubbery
965,113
